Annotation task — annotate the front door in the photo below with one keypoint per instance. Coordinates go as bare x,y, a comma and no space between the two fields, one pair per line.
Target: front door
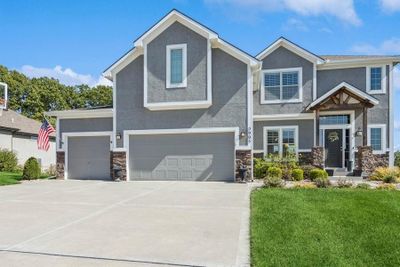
334,148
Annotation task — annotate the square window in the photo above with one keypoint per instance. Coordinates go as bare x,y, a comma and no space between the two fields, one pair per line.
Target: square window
280,142
282,86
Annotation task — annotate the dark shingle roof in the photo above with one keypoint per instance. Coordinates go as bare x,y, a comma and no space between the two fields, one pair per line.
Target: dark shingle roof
9,119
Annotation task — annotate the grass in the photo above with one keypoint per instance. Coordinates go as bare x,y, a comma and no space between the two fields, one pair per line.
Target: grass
325,227
9,178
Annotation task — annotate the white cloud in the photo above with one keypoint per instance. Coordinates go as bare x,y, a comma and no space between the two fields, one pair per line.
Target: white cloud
295,24
390,5
341,9
391,46
66,76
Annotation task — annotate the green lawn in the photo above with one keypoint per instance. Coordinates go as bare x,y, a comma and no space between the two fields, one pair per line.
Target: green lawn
325,227
9,178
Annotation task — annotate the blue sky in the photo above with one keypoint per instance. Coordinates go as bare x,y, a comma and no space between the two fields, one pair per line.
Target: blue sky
75,41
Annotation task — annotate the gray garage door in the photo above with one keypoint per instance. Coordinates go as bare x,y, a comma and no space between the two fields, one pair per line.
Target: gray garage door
194,157
89,157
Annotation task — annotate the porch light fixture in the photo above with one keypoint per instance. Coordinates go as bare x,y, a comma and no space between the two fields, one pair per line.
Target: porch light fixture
359,132
242,134
118,136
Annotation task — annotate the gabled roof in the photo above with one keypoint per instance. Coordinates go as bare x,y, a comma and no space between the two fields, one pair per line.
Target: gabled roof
349,88
11,120
164,23
283,42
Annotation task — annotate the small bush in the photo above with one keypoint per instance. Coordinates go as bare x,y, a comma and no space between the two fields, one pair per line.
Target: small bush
386,187
31,169
273,181
343,183
363,186
318,173
51,171
391,175
260,168
8,160
306,170
298,174
321,182
303,185
274,172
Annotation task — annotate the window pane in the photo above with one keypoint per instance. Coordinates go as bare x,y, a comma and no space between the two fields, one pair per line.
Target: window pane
335,119
272,79
376,138
288,142
290,78
272,142
290,92
176,65
376,78
272,93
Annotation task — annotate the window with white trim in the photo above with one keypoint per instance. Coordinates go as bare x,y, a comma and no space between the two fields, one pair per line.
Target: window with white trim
376,79
280,141
176,66
377,137
282,85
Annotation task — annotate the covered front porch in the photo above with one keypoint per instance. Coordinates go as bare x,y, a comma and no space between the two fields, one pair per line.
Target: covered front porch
341,147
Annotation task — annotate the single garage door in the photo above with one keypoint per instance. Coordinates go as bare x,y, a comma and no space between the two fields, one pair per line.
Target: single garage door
193,157
89,157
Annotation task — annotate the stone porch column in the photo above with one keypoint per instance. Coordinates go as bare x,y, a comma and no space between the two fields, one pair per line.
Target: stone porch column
317,154
366,160
60,164
118,158
244,158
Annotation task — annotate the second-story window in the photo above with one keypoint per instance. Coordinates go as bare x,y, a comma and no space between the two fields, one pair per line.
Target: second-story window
280,86
176,66
376,80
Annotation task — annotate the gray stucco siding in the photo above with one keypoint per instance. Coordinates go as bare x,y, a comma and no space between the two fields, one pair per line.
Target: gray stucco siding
282,58
306,132
85,125
196,66
228,109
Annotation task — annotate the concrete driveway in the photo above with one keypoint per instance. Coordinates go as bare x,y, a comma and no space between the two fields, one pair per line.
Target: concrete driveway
92,223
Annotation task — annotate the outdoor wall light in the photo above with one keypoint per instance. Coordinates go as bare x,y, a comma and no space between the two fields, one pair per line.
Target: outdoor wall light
118,136
359,132
242,134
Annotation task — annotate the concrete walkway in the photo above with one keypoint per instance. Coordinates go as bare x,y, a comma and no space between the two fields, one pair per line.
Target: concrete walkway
91,223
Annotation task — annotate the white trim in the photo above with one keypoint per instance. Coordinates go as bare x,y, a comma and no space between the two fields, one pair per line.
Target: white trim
234,130
351,88
391,116
178,105
65,137
383,79
315,81
280,71
114,95
303,150
168,48
280,128
58,135
281,117
209,72
258,151
383,140
235,52
5,95
122,62
356,63
291,47
250,134
119,149
81,114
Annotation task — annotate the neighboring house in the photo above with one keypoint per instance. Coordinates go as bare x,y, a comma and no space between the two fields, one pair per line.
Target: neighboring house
19,134
190,106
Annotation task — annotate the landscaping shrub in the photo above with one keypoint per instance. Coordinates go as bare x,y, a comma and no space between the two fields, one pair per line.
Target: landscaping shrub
8,160
306,171
274,172
273,181
343,183
363,186
321,182
390,175
297,174
303,185
386,187
318,173
260,168
397,159
31,169
51,171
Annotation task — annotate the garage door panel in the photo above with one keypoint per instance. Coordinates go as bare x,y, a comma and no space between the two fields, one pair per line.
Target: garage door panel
197,157
89,157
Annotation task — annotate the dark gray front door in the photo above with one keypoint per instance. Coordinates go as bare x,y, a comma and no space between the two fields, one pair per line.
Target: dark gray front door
333,148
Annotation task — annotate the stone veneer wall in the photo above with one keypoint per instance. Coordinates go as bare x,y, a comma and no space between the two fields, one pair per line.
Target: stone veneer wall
367,161
118,158
317,156
60,164
244,158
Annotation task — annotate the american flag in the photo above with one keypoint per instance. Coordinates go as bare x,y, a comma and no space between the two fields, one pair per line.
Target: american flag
43,137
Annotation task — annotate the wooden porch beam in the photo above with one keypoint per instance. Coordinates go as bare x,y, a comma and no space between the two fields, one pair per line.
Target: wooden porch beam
365,126
317,127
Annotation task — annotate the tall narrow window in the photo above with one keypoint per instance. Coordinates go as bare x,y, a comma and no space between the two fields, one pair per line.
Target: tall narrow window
282,86
376,80
176,66
377,138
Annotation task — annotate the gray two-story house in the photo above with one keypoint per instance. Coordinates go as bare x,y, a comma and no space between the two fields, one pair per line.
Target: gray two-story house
188,105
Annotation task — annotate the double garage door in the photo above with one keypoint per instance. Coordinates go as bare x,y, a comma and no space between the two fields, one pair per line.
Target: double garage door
193,157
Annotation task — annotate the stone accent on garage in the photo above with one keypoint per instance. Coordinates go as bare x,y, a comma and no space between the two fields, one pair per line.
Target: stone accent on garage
60,164
367,161
243,159
118,158
317,156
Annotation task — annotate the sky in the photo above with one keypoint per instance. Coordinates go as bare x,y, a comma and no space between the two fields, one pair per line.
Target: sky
74,41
